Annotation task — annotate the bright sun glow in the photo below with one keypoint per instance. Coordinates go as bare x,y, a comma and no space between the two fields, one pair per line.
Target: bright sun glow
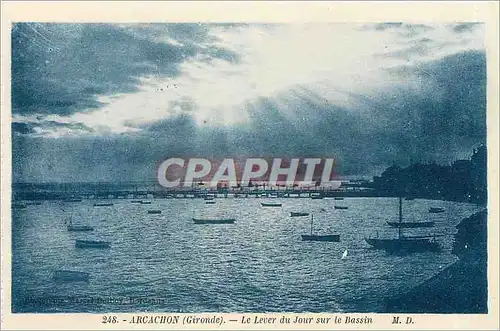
275,62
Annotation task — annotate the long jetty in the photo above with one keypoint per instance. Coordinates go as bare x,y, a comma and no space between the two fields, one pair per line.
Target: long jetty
138,192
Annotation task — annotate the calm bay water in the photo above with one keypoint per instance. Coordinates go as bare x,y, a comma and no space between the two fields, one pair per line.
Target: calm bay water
258,264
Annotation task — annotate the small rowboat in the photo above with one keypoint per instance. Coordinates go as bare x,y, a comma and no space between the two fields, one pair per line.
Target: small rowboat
270,204
298,214
92,244
214,221
80,228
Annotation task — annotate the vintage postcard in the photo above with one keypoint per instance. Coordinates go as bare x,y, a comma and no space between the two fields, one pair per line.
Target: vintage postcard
243,166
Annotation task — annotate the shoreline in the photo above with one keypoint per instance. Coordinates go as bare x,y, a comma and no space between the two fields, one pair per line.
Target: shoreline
460,288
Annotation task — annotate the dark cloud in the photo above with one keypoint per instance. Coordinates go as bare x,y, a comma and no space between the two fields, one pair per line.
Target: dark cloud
464,27
180,126
63,68
439,120
29,127
21,128
402,29
387,25
415,48
416,30
409,52
446,115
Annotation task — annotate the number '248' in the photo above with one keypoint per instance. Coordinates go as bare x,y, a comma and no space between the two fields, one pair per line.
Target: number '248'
109,319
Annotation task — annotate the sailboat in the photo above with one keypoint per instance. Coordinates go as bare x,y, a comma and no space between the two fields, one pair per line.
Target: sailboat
315,237
411,225
77,227
405,243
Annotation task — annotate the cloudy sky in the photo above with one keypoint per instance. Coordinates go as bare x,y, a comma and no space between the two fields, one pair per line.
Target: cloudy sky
100,102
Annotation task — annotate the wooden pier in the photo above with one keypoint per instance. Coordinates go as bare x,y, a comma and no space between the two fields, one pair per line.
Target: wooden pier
102,192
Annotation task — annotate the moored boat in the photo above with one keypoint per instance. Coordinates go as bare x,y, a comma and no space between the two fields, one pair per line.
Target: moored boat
436,210
145,202
338,198
136,201
92,244
316,237
214,220
37,203
79,228
210,202
298,214
270,204
102,204
340,207
154,211
405,244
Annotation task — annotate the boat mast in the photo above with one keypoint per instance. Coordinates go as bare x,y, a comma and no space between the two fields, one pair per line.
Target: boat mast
400,216
312,218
